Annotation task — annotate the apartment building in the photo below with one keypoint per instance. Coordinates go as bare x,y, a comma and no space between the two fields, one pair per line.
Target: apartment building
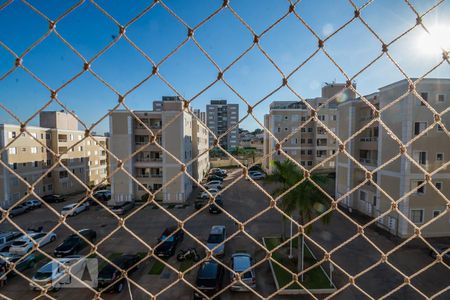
180,135
59,132
221,117
374,147
311,144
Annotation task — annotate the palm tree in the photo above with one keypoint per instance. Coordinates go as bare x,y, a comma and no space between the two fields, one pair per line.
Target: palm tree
305,199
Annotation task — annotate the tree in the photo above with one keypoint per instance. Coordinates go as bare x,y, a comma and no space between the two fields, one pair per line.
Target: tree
305,199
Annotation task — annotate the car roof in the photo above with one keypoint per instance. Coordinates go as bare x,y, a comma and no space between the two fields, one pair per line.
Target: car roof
217,229
70,205
241,261
208,269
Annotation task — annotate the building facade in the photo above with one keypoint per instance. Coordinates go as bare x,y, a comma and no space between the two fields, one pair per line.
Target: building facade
311,144
374,146
223,116
180,136
58,131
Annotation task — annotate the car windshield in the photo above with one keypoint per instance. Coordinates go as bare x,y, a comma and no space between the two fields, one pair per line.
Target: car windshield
207,271
215,238
43,275
19,243
167,239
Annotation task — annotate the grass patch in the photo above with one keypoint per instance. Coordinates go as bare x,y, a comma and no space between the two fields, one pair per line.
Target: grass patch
184,265
313,279
156,268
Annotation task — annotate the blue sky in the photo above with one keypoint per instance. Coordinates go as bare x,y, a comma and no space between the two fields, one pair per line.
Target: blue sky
157,33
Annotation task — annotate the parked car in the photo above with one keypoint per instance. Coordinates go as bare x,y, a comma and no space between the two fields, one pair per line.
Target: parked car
215,177
255,175
23,244
257,168
33,203
7,258
441,248
18,210
168,246
7,238
205,195
213,207
103,195
74,243
213,185
73,210
54,275
53,198
122,208
110,273
239,263
209,279
218,172
217,235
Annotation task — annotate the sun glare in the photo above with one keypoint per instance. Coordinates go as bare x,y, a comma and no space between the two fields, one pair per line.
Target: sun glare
437,39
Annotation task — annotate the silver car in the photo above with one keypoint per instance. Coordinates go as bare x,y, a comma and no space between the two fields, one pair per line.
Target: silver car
217,235
239,263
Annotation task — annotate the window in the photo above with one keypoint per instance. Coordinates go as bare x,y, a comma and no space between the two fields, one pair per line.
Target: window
71,137
421,189
438,185
294,141
34,150
417,216
362,195
310,129
303,129
440,156
310,152
12,134
295,118
47,136
286,117
302,152
419,127
436,213
278,129
286,129
439,128
303,118
310,162
424,96
36,164
321,117
440,98
302,162
333,117
309,141
421,157
12,151
302,141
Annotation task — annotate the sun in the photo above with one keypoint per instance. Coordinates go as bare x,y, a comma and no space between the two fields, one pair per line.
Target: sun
434,42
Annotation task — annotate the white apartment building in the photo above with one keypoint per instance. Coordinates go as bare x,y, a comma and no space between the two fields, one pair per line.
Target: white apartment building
311,144
221,117
59,132
183,136
374,146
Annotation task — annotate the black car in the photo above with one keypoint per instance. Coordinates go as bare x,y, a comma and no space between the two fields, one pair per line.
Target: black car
74,243
7,258
215,177
53,198
213,208
209,279
111,274
168,246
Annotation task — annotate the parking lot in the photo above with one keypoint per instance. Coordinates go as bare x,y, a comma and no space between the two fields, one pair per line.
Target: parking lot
242,200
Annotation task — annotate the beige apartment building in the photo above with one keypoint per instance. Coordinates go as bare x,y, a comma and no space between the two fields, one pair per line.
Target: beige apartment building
374,146
311,144
183,137
59,132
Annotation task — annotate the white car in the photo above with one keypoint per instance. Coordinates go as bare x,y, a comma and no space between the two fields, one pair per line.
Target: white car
54,275
23,245
241,262
216,236
205,195
70,210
